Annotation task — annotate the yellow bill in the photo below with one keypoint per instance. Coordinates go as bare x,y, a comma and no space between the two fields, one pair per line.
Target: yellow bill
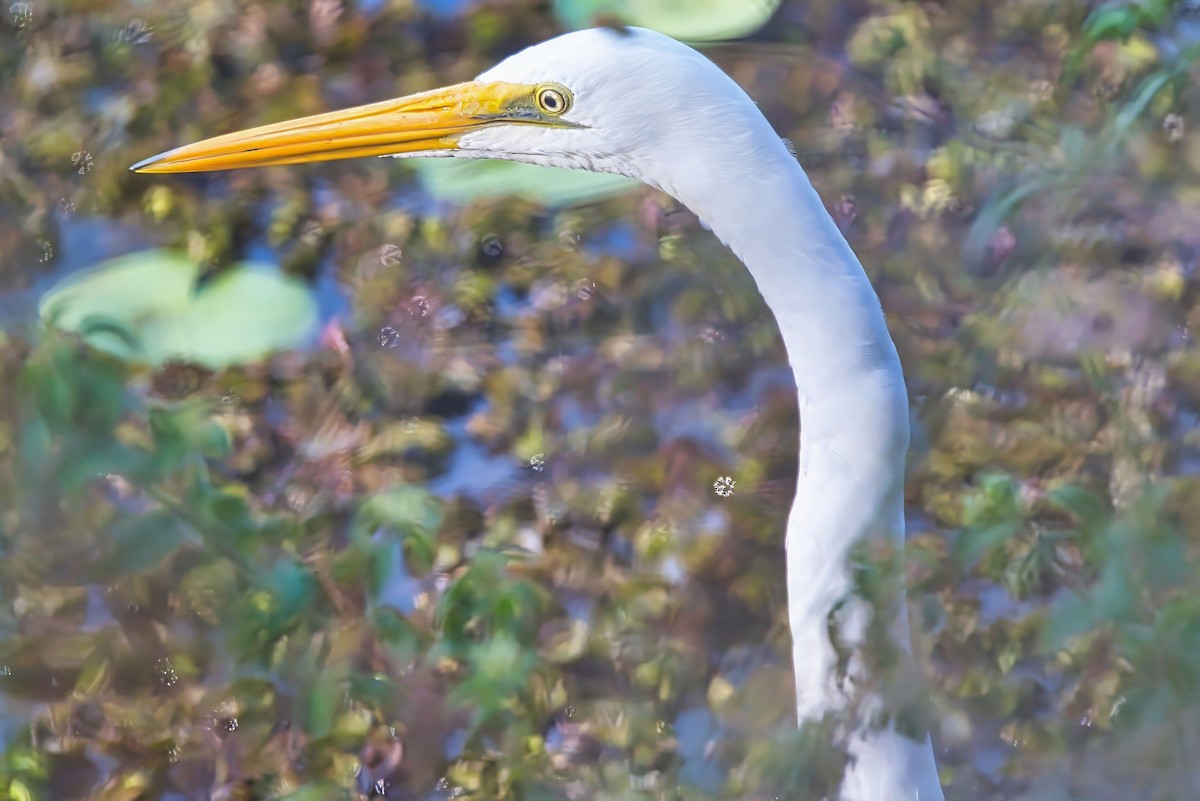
423,123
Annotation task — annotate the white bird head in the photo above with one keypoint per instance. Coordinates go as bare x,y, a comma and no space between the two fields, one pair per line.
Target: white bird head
603,99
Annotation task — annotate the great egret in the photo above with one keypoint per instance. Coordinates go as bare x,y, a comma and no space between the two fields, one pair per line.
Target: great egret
640,104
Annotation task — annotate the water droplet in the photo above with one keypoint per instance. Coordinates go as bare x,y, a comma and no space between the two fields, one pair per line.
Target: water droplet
712,335
419,307
723,486
66,208
585,288
136,32
1001,243
230,724
166,673
389,337
538,462
22,14
1173,127
390,255
1041,91
570,710
492,246
311,235
381,787
82,160
661,726
296,497
47,250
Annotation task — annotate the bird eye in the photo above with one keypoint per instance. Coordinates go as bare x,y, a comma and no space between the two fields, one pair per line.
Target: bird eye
553,100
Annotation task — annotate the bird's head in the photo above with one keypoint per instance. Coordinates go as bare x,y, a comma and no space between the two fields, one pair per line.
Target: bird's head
602,99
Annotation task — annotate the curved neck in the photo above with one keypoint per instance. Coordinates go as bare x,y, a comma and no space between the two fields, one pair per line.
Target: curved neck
850,385
854,427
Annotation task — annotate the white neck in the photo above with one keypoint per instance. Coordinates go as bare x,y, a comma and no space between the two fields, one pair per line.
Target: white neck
853,424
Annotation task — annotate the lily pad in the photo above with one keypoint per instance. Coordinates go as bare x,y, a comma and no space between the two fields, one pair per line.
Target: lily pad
145,307
461,181
690,20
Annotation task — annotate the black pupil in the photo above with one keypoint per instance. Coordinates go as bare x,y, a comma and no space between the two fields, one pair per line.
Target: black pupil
550,101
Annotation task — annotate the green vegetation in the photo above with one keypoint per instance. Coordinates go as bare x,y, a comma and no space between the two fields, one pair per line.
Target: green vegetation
466,544
147,307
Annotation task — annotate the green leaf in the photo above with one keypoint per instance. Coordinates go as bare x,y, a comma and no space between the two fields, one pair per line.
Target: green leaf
498,670
19,791
398,634
320,704
146,308
973,543
998,209
690,20
224,515
1071,615
292,586
275,607
318,791
1132,110
460,181
139,543
94,459
36,447
187,429
991,516
1113,22
1119,21
1083,505
411,512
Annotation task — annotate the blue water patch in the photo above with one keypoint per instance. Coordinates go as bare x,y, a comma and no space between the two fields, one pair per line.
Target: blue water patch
472,470
619,239
83,242
439,8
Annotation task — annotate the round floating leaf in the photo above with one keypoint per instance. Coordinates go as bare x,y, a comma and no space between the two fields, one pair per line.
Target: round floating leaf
146,307
459,181
690,20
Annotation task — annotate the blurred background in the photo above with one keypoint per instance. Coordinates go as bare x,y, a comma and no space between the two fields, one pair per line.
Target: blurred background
468,480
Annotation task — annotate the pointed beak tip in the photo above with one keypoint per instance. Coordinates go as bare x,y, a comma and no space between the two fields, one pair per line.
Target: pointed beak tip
144,164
